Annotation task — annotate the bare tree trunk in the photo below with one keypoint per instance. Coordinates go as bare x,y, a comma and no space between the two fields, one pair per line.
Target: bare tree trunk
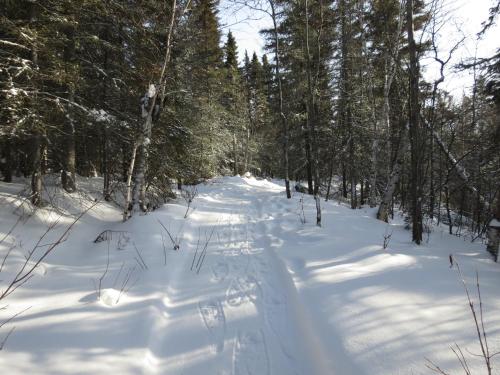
415,132
69,170
448,212
309,173
150,105
235,156
494,224
247,145
284,119
128,200
138,198
105,164
394,177
36,169
383,121
345,101
330,178
311,121
36,145
69,162
8,162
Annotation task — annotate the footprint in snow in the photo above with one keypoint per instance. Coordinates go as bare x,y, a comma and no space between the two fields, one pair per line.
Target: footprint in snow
214,319
220,270
242,289
250,355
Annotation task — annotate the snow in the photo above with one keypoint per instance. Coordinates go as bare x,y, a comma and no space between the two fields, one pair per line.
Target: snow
273,295
102,116
151,91
495,223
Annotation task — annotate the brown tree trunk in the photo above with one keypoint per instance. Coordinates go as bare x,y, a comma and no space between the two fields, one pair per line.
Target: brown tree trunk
7,162
69,162
494,224
284,120
36,138
394,179
415,132
36,170
311,121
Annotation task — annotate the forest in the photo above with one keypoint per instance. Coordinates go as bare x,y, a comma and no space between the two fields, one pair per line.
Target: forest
147,92
325,203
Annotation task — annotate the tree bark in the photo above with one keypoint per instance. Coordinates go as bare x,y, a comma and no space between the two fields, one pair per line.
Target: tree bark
36,141
36,169
309,173
394,177
69,157
105,163
69,162
494,224
311,121
150,105
415,131
284,120
494,231
7,160
127,213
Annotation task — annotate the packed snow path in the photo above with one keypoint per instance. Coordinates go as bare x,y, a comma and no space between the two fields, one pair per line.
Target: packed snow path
240,314
273,296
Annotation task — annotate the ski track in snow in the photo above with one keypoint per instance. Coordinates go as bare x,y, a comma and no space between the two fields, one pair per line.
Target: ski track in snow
246,306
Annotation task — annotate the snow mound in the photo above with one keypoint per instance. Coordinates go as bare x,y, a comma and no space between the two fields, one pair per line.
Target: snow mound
111,297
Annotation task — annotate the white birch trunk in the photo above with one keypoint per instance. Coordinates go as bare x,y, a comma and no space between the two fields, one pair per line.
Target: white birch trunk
128,200
151,104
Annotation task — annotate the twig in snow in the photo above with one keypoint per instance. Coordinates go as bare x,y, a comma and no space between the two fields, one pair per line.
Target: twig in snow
164,249
14,316
480,330
197,247
387,238
99,284
125,282
26,271
2,344
118,276
189,193
144,265
11,229
177,241
12,247
203,253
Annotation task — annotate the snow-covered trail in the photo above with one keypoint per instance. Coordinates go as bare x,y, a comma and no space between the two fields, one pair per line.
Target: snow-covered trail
240,315
273,296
